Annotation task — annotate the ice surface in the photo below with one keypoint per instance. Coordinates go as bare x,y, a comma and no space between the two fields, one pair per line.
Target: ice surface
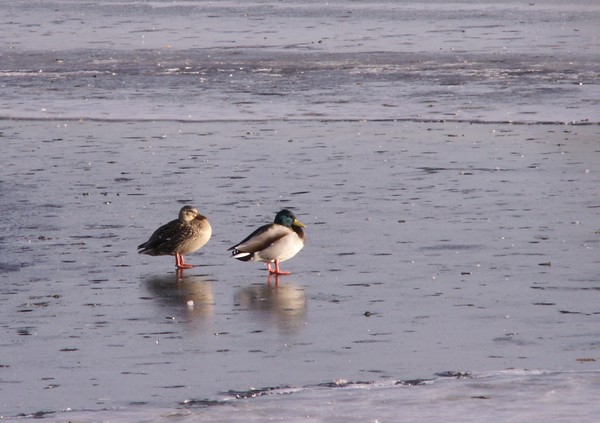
464,61
514,395
431,247
444,155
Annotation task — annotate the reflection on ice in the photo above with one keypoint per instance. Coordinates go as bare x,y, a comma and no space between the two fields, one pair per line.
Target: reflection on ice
186,297
285,304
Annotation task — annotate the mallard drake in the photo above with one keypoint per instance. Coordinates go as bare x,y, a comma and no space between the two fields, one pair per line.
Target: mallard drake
179,237
275,242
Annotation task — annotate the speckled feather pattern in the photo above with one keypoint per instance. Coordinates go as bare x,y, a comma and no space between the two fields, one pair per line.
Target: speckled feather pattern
178,237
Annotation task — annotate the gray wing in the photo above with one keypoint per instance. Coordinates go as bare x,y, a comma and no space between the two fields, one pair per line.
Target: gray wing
262,238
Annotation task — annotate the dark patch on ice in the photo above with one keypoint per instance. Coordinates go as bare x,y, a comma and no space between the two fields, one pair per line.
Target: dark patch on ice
413,382
565,288
256,392
10,267
573,312
369,341
453,247
455,374
36,415
338,384
201,403
463,171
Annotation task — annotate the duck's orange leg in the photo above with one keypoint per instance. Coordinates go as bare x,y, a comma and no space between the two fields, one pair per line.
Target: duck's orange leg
179,262
277,270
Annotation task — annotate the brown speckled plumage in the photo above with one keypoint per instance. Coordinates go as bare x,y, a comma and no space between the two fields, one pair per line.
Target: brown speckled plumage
179,237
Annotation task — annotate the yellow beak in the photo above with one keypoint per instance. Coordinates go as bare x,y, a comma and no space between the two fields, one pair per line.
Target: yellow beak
298,223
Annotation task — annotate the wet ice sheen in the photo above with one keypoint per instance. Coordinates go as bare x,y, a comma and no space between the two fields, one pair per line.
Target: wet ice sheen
434,245
488,262
513,395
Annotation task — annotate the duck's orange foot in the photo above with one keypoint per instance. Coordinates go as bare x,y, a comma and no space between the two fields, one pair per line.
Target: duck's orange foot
179,263
277,271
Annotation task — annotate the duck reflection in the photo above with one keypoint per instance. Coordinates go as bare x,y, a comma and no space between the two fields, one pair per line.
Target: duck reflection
187,298
281,304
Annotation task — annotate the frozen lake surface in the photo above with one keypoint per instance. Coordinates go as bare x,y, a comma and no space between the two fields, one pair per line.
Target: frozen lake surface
445,157
199,60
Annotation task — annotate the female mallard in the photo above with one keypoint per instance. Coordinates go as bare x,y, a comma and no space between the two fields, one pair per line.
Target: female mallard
275,242
179,237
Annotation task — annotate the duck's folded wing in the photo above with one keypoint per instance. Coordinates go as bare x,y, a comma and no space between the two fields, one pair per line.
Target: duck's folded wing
262,238
166,236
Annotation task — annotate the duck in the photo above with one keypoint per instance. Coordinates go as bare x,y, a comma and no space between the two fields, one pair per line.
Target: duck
272,243
180,237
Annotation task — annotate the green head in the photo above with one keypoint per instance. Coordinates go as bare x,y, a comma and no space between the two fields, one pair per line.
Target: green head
287,218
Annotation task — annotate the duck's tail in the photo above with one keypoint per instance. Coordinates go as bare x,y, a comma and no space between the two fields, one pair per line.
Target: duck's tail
240,255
